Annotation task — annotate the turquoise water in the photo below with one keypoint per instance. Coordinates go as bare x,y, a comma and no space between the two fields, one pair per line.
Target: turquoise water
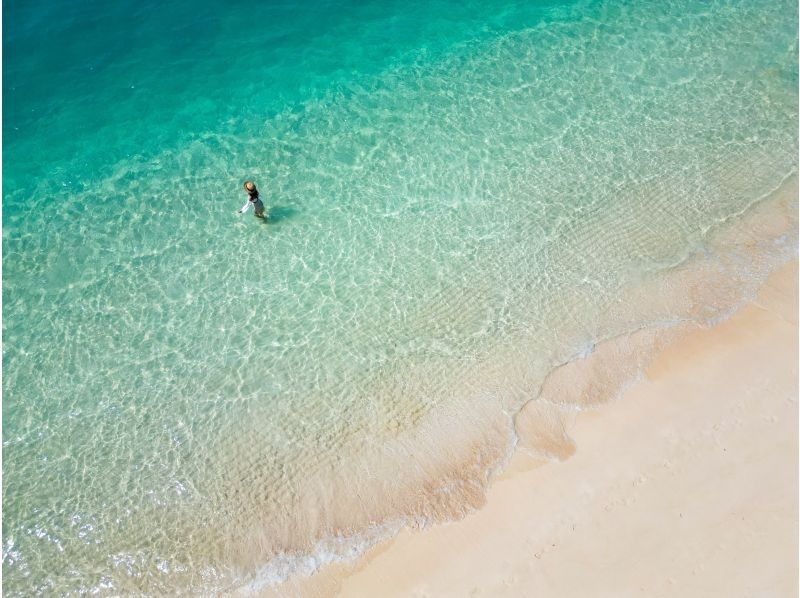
460,194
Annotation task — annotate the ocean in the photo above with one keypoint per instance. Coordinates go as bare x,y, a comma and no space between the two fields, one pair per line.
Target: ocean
461,197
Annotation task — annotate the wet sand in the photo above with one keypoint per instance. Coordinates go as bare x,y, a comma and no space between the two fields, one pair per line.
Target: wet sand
686,485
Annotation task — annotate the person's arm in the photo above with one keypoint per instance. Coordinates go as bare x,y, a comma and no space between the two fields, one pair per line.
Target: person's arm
245,207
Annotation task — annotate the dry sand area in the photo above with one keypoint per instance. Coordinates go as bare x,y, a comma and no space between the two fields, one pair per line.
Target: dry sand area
687,485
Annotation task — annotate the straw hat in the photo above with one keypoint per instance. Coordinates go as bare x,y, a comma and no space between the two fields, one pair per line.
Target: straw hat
250,186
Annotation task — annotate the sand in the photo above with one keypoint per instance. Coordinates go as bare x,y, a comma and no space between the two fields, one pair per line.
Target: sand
686,485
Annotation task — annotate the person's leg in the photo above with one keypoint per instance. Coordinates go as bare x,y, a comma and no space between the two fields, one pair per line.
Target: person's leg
259,209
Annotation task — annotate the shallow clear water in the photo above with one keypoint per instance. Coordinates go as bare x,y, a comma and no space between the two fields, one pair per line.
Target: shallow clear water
190,397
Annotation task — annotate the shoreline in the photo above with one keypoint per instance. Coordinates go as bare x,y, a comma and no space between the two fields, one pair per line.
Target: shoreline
686,483
702,392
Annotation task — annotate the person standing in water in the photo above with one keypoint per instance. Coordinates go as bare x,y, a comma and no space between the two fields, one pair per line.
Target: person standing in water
252,200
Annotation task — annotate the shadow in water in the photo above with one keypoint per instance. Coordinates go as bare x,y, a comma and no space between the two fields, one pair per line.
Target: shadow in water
278,214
